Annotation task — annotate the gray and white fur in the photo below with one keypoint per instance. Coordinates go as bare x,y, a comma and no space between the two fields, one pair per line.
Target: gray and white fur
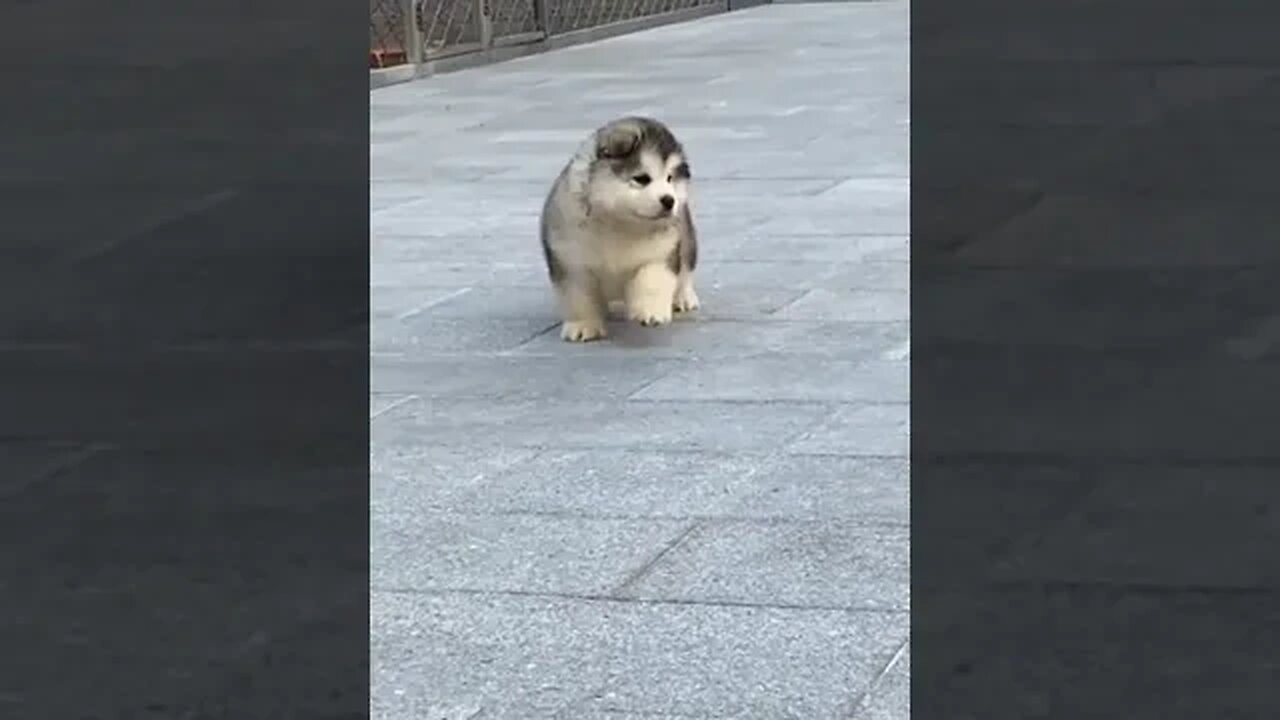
617,228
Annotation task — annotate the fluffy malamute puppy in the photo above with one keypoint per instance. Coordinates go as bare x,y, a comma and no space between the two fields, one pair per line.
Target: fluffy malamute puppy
616,227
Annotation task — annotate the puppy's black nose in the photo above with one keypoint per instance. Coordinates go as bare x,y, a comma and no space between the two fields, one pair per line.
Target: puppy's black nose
667,201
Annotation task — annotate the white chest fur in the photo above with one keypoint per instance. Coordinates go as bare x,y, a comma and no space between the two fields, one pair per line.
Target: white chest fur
613,254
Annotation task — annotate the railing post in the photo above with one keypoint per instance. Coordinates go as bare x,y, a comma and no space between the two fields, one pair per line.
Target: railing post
544,16
412,31
485,14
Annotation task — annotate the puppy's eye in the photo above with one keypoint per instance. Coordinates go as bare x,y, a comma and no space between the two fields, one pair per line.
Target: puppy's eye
642,179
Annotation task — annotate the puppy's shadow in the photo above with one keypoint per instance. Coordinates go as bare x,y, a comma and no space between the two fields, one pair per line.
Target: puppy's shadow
624,334
627,334
631,336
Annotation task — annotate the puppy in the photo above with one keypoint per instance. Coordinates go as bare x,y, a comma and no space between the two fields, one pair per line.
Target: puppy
616,228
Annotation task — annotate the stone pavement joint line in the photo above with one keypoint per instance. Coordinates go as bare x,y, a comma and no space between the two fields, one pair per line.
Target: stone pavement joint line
707,520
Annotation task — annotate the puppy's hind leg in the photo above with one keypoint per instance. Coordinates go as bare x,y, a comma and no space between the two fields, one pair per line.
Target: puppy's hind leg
686,299
584,310
650,293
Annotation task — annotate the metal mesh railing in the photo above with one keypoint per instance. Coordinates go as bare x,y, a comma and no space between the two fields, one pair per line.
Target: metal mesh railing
569,15
449,26
387,31
441,28
513,18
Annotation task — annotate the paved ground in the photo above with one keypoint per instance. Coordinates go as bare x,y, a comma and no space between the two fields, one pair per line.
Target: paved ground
704,521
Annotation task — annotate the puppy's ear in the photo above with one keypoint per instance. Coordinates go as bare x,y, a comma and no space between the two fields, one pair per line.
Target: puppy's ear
617,142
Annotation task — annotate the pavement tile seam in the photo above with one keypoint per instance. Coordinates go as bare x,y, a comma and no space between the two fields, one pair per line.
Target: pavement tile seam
425,591
627,713
688,450
760,403
657,378
639,573
776,461
627,397
860,701
662,367
1015,459
383,403
394,351
516,352
852,520
712,455
766,320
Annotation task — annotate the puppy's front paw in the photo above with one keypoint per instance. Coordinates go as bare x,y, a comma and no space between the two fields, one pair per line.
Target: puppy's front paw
686,300
651,314
582,331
